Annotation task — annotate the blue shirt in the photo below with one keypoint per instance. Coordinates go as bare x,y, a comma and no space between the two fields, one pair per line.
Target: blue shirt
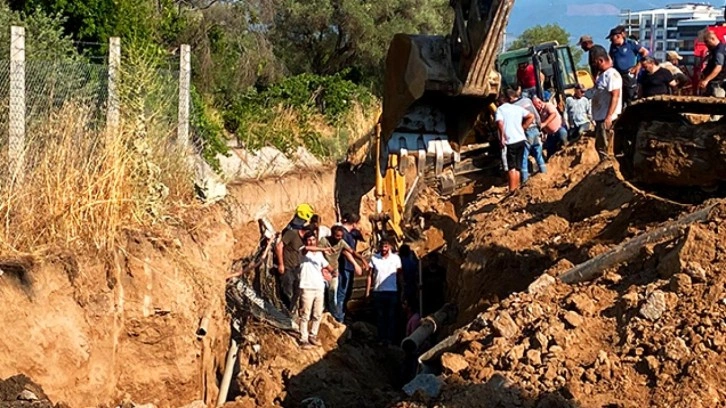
624,56
351,238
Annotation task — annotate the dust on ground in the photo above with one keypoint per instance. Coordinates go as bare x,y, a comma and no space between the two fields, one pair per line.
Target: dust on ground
647,332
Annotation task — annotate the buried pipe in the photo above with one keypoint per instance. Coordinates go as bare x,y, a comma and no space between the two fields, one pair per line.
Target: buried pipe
429,325
203,327
228,372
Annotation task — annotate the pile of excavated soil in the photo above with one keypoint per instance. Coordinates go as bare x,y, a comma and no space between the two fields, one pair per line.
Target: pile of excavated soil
647,332
577,210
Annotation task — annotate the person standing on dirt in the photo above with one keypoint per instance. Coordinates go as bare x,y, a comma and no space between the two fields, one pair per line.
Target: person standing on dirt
551,126
385,266
511,122
626,54
533,143
593,51
338,248
656,80
579,113
314,272
714,75
606,103
410,271
351,236
289,257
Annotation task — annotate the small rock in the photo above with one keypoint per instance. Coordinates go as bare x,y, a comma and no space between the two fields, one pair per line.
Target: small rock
696,271
630,300
540,284
505,326
677,350
534,357
573,319
653,364
582,304
453,363
541,340
427,384
680,283
26,395
515,353
195,404
654,306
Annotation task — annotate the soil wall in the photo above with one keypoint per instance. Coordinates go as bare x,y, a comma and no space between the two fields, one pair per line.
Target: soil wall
94,331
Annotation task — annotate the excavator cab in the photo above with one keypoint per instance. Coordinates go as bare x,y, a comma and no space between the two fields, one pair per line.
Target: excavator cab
554,67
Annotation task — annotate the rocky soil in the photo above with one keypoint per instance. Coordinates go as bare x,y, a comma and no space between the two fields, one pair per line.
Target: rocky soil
647,332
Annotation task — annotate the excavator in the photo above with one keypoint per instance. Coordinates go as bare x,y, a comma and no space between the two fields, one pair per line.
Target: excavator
437,130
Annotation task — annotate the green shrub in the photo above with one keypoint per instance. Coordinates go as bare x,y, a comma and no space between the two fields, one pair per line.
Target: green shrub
207,131
285,114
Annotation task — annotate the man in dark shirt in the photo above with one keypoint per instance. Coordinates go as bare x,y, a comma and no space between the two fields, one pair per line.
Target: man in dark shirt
346,270
656,80
593,51
714,75
625,54
288,265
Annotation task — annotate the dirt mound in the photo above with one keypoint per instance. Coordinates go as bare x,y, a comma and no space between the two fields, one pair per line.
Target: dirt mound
575,211
649,331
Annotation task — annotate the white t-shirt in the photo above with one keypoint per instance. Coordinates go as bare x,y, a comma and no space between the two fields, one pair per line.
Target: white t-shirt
323,231
606,82
386,268
311,270
512,117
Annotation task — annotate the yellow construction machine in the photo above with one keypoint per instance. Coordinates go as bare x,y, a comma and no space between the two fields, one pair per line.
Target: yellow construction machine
437,126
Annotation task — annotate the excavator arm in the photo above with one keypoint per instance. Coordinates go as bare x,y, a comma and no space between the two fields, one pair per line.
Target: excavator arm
438,92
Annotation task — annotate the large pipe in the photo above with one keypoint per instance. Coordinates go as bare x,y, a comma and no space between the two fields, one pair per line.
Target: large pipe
228,371
429,325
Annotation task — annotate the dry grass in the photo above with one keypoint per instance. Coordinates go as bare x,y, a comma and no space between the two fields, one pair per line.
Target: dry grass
81,187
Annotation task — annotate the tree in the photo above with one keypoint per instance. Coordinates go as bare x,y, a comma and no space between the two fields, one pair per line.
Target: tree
328,36
544,33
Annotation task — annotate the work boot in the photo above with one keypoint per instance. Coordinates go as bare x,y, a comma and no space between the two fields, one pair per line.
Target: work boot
314,341
306,345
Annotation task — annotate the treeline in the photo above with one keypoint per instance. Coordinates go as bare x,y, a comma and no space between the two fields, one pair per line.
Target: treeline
254,61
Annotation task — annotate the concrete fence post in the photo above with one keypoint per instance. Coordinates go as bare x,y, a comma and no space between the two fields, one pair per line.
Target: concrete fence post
16,113
113,103
185,70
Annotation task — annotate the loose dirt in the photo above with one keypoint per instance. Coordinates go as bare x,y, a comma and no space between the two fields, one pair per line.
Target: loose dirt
648,332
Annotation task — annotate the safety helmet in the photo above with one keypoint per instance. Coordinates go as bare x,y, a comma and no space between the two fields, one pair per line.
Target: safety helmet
304,211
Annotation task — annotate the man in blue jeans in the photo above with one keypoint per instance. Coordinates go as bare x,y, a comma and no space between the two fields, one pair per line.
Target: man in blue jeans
347,270
533,144
386,267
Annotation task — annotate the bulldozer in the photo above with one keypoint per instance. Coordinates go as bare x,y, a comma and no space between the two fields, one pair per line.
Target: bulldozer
437,128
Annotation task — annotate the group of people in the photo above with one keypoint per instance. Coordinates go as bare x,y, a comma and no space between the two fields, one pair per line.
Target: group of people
642,75
530,127
623,73
316,267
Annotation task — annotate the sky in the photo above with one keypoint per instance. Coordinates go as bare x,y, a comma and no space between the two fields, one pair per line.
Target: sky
578,17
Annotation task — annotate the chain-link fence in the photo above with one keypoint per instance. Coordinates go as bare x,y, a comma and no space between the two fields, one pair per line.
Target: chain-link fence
144,94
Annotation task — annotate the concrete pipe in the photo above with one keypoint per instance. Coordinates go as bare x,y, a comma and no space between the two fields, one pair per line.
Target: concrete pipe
429,325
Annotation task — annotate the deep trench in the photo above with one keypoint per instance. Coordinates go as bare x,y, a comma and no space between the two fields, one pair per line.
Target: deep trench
360,351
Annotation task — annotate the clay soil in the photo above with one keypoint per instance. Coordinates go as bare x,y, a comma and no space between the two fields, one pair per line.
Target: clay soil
647,332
